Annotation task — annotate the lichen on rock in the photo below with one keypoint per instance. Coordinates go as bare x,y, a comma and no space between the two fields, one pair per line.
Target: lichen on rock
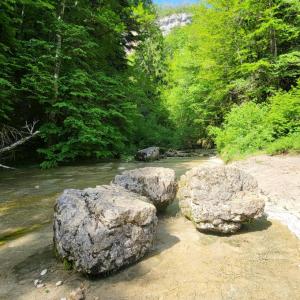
219,199
103,229
157,184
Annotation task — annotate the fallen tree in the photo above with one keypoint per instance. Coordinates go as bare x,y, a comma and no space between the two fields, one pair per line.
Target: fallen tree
11,138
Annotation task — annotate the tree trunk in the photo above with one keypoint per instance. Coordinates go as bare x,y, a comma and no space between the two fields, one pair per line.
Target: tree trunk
273,38
58,52
57,65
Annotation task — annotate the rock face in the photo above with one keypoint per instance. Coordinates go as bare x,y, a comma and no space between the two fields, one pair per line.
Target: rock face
157,184
166,24
102,229
219,199
148,154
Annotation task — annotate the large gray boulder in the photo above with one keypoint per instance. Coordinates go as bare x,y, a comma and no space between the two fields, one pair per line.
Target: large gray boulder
157,184
103,229
148,154
219,199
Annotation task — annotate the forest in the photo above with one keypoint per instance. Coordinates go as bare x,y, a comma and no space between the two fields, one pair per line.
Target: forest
98,80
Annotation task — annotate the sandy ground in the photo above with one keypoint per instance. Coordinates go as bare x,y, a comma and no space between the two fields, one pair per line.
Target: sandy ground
260,262
279,179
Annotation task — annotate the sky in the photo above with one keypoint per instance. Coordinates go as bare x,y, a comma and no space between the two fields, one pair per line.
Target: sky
174,2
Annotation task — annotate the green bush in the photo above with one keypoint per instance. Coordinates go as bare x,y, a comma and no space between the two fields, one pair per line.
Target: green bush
250,127
284,114
244,131
290,143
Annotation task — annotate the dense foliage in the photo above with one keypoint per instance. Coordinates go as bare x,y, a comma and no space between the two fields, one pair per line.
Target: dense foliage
234,52
273,127
102,81
64,63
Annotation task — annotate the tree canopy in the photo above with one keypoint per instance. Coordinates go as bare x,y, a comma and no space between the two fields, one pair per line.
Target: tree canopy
101,80
233,52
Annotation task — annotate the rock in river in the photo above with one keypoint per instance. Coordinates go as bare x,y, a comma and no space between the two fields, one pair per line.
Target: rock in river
148,154
219,199
102,229
157,184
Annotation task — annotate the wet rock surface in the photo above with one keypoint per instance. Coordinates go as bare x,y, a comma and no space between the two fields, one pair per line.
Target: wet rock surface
219,199
148,154
103,229
157,184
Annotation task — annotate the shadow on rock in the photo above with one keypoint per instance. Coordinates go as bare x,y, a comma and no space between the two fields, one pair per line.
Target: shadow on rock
256,225
171,211
163,241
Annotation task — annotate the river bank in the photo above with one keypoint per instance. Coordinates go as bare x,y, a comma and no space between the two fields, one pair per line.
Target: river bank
260,262
279,179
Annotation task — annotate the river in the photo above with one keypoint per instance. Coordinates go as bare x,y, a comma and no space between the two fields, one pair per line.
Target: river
260,262
27,195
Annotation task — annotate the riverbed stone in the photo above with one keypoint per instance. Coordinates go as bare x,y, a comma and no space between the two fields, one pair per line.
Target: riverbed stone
99,230
148,154
220,199
157,184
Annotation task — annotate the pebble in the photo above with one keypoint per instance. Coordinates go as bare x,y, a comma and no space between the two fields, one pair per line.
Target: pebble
37,281
40,285
44,272
58,283
63,298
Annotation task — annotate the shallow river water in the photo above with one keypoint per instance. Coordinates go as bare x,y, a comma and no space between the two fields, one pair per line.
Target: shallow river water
260,262
27,196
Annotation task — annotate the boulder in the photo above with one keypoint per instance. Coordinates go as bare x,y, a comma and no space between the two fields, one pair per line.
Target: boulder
219,199
148,154
157,184
102,229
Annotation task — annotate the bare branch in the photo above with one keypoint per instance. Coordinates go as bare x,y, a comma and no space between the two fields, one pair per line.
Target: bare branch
30,127
9,135
19,142
6,167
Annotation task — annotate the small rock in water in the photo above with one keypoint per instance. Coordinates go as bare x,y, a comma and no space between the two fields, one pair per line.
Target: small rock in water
37,281
58,283
40,285
37,187
44,272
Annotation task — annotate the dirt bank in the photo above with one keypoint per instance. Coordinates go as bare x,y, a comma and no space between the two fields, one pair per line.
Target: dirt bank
279,179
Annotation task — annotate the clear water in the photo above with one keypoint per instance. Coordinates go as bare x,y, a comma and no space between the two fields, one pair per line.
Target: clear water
27,195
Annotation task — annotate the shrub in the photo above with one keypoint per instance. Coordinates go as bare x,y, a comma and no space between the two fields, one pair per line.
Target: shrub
250,127
290,143
244,131
284,114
